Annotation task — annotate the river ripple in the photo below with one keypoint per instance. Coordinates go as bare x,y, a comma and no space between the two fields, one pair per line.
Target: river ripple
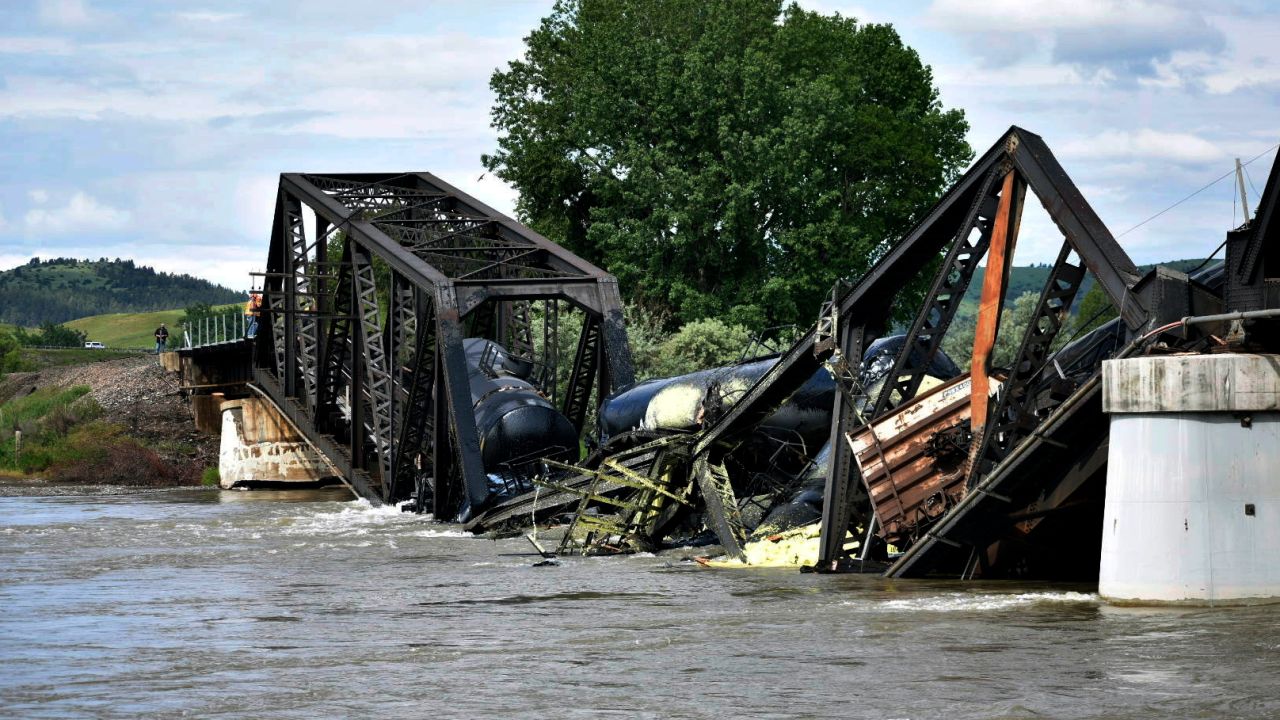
237,605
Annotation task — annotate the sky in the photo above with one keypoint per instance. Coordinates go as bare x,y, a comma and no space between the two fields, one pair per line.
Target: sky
157,130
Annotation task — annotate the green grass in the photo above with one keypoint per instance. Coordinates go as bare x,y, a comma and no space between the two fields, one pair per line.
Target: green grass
44,417
131,330
210,477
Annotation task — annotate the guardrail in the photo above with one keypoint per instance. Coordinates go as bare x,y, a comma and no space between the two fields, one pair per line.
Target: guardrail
216,329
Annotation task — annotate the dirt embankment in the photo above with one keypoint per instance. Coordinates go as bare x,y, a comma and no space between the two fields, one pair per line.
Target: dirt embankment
139,396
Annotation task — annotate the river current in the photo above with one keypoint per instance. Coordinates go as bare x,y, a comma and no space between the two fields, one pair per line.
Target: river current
201,603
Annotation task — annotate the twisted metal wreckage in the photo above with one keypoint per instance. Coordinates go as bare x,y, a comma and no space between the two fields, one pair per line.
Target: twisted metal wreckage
414,335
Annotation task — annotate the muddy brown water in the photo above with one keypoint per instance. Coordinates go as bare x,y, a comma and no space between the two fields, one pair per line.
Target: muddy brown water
202,603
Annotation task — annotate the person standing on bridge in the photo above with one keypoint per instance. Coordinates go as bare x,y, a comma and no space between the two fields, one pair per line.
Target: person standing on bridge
162,338
251,310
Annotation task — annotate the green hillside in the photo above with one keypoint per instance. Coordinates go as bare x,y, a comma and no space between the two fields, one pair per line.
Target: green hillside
129,330
63,289
1031,279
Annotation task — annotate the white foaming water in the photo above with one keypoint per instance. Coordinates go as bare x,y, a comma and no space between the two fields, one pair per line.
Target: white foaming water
963,602
357,517
441,534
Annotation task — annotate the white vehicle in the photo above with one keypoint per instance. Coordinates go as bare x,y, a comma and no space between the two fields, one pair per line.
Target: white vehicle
95,345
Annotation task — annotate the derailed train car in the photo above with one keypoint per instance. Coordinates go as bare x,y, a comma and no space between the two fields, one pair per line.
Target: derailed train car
517,425
779,469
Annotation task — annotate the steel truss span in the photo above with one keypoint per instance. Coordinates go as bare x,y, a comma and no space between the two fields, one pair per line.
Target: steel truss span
372,283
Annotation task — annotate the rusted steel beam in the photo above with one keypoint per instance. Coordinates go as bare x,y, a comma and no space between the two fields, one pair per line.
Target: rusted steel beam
1004,238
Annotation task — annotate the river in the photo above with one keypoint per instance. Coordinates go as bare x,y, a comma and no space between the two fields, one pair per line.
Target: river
200,603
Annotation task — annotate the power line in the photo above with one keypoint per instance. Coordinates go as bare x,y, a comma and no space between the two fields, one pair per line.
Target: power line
1255,187
1217,180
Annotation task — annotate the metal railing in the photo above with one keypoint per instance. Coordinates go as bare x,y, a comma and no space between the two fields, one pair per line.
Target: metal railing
216,329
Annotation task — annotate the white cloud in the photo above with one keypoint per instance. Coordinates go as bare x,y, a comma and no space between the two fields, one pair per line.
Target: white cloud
1121,37
1147,144
1019,16
81,213
207,16
64,13
379,87
35,46
38,196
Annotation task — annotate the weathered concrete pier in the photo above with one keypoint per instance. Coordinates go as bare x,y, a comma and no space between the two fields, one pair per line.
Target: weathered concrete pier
260,449
1193,494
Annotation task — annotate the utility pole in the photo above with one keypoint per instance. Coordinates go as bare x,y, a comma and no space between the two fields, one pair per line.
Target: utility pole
1244,198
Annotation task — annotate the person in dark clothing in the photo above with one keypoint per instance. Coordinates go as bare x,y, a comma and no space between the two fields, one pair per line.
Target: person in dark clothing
162,338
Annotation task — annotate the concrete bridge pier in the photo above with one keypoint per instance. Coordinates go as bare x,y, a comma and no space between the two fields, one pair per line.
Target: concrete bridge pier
1192,510
260,449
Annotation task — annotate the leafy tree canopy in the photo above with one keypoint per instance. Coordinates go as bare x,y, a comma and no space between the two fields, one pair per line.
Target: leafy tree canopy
725,158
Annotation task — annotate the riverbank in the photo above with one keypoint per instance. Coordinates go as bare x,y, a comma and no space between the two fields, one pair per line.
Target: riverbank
122,421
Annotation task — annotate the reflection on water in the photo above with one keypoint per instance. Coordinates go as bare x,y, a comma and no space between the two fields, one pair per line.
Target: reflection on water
203,603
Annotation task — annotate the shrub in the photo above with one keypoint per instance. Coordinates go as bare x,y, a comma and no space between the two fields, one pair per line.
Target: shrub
701,344
122,463
211,477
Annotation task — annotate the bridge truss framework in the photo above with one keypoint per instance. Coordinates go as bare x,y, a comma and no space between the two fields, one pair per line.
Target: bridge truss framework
372,282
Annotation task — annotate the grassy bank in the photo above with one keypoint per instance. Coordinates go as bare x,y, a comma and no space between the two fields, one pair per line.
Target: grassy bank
65,440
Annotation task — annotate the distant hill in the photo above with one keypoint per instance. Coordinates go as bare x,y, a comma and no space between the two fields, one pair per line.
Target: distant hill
1031,279
63,289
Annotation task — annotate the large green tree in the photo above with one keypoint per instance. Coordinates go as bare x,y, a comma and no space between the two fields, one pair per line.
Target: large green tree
724,158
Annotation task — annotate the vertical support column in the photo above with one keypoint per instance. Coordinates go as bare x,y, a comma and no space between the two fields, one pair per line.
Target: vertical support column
377,380
445,498
290,209
457,391
273,287
416,429
583,375
618,363
551,349
303,309
837,493
324,315
356,377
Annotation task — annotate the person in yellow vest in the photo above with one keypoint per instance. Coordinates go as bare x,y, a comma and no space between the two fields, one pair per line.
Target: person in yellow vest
251,310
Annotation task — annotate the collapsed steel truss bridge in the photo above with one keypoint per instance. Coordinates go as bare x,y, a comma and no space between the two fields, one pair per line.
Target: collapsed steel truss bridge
372,283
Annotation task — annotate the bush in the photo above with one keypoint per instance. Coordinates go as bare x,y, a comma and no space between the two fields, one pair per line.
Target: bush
699,345
211,477
122,463
11,357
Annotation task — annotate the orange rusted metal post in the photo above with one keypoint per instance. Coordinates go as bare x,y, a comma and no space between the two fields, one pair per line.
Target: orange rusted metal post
1004,235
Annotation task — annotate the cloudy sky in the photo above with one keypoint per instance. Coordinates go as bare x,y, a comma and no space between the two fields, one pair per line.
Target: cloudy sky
156,130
